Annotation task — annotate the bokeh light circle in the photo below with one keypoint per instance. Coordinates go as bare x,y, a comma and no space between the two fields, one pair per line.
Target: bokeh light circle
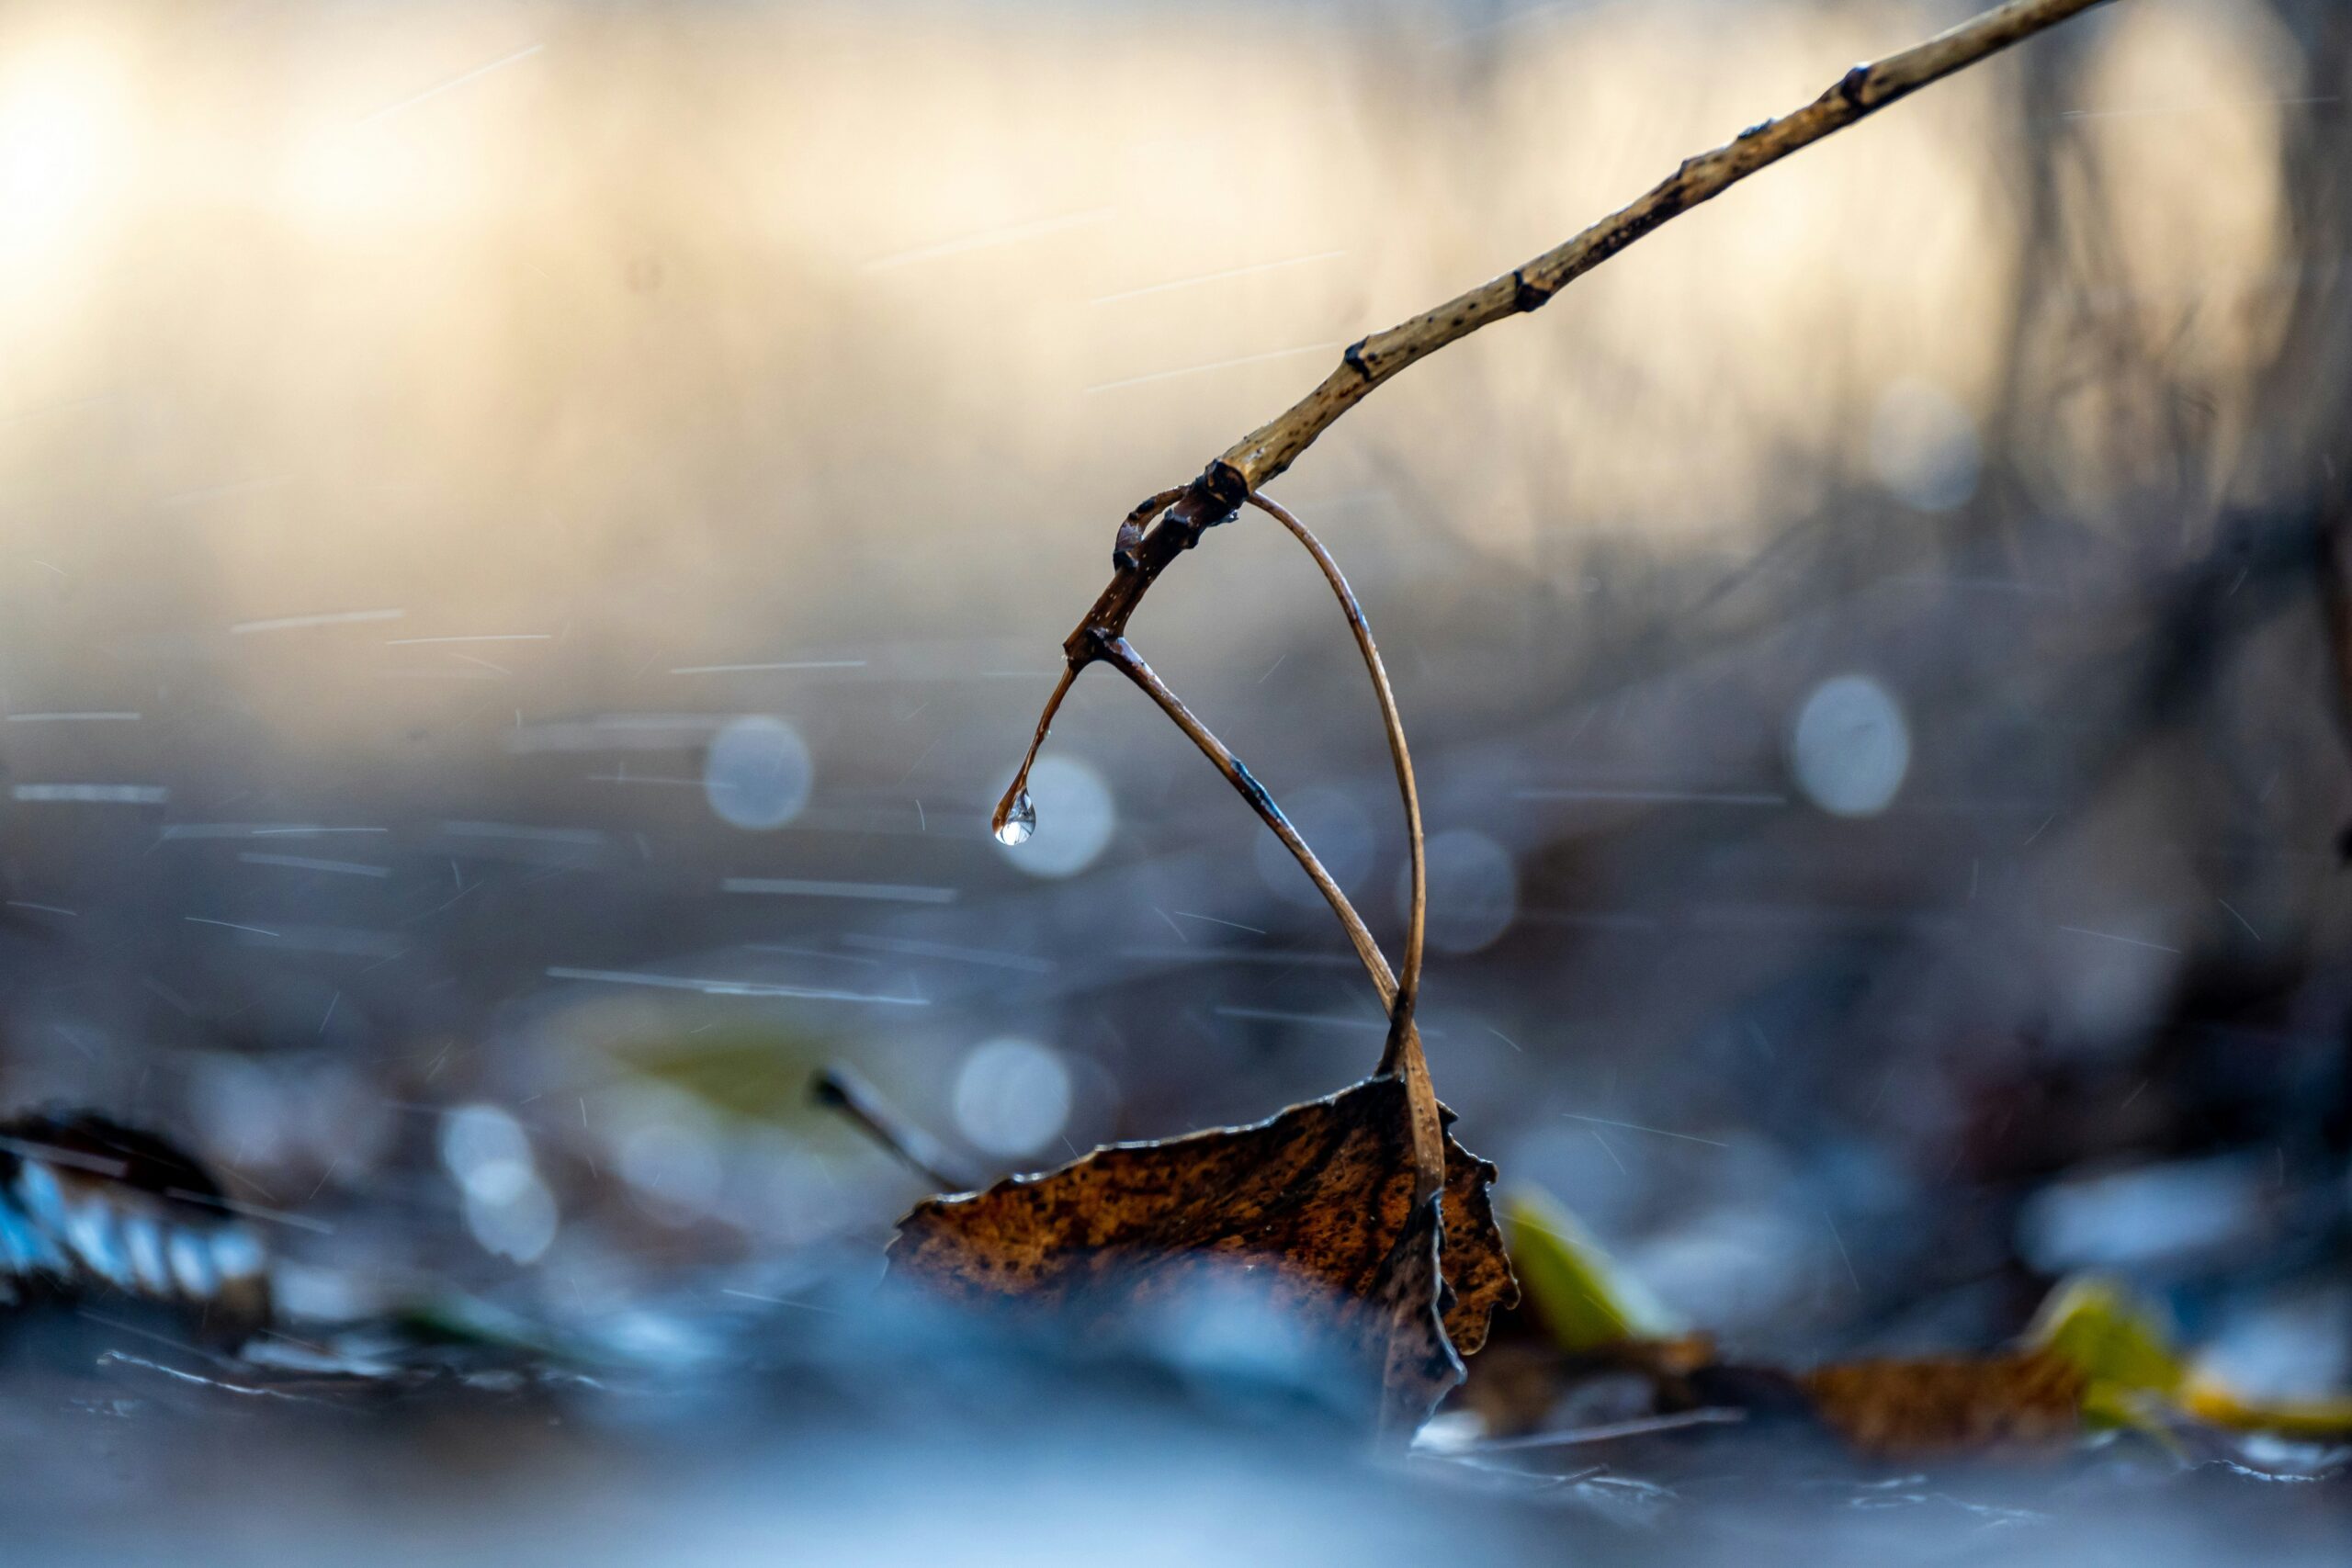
757,773
1850,745
1076,817
1474,890
1923,446
1013,1097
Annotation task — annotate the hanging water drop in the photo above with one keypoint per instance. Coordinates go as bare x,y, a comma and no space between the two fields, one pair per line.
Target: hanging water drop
1016,819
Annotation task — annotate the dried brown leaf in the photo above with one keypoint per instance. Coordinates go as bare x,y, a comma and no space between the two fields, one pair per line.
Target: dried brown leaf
1314,1206
1983,1405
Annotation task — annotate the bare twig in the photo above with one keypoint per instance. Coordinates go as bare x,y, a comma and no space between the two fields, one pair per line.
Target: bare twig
1166,524
1121,655
1171,522
1147,546
837,1088
1273,448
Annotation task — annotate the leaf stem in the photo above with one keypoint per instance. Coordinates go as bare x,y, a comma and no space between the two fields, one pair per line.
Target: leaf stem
1409,984
1121,655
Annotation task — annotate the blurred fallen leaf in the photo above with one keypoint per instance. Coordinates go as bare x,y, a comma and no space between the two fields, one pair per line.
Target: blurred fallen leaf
2327,1419
2114,1341
754,1074
1313,1208
91,1210
2094,1357
1584,1296
2136,1375
1998,1406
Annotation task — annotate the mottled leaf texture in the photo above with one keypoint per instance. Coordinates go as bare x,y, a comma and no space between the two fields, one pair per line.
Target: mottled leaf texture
1975,1404
1312,1206
91,1209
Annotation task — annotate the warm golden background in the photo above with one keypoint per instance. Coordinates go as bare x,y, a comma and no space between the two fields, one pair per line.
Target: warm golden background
408,412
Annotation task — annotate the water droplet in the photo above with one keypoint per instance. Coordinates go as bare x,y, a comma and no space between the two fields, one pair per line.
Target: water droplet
1015,821
1084,816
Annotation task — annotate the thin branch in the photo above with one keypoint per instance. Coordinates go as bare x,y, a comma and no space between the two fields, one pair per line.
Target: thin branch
1273,446
1121,655
837,1088
1250,462
1408,985
1402,1054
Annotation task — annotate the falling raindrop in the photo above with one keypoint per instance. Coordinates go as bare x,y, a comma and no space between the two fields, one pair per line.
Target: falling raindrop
1015,821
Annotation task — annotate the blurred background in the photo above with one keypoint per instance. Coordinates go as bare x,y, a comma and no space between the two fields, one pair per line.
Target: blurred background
532,535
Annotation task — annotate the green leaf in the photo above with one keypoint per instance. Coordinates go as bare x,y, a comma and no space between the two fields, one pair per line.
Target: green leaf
1584,1296
2327,1418
2119,1343
754,1074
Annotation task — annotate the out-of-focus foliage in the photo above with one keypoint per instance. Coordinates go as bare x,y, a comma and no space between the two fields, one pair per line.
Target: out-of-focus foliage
2123,1354
759,1074
1585,1298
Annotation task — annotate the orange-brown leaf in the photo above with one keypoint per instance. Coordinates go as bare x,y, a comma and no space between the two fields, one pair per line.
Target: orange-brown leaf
1971,1406
1315,1205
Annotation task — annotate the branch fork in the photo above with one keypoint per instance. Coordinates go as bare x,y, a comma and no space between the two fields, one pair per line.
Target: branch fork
1166,524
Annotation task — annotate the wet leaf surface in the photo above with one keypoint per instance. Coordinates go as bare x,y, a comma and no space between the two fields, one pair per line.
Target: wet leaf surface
1310,1213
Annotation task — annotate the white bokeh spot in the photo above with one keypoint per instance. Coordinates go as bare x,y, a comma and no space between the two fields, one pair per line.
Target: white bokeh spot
1013,1097
757,772
1923,446
1850,745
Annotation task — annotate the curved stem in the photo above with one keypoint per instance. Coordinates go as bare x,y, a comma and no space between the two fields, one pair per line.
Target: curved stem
1010,800
1118,653
1403,1055
1409,984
